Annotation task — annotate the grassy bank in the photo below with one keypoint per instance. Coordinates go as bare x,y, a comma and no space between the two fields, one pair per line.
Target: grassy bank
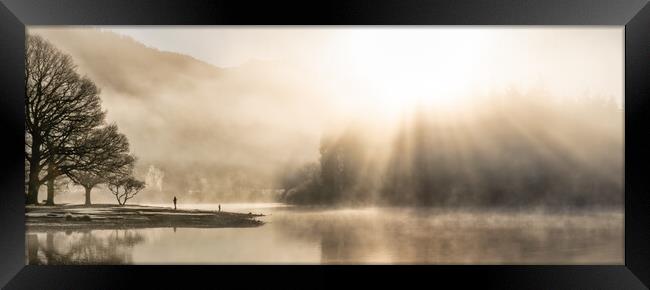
108,216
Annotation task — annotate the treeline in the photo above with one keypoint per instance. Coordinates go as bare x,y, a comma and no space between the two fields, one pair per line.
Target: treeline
66,134
504,150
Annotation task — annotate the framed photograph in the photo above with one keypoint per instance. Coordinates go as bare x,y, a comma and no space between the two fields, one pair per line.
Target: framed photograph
173,144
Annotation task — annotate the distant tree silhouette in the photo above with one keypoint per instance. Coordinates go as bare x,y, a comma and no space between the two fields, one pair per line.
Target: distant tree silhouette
61,109
515,150
297,182
125,187
340,166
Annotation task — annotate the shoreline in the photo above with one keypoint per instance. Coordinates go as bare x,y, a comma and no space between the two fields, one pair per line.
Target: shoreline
109,216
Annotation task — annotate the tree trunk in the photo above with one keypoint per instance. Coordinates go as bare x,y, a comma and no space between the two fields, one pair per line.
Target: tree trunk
34,170
49,241
88,195
32,249
50,192
33,185
49,250
50,184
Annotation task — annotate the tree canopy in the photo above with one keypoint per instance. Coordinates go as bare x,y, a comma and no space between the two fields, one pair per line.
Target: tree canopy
125,188
65,129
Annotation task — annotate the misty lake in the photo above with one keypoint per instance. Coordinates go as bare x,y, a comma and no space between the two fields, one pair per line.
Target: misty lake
307,235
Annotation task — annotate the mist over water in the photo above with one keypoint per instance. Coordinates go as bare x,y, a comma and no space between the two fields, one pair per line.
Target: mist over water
308,235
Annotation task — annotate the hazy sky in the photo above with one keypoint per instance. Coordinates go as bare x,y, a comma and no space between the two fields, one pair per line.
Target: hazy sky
429,60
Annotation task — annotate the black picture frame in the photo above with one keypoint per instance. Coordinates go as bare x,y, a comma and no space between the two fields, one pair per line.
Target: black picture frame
633,14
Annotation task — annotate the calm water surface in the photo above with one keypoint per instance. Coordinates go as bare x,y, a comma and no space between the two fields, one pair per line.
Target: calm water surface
300,235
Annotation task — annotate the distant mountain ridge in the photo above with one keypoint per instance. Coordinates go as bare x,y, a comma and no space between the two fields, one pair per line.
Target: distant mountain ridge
185,116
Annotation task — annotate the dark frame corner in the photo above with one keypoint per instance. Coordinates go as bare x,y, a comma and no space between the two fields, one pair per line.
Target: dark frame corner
634,14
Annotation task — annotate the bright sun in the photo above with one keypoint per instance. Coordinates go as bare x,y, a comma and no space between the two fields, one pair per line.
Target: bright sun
397,69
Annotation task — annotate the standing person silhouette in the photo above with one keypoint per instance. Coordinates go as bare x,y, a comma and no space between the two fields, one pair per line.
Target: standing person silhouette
174,202
219,207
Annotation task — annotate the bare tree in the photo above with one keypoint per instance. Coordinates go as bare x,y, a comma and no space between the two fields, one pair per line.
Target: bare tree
61,108
125,188
106,155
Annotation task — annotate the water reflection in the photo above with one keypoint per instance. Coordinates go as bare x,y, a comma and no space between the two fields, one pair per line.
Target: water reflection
82,247
389,236
353,236
502,246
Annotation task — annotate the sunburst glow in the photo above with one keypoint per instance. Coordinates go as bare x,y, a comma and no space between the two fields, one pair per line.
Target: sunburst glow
329,144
